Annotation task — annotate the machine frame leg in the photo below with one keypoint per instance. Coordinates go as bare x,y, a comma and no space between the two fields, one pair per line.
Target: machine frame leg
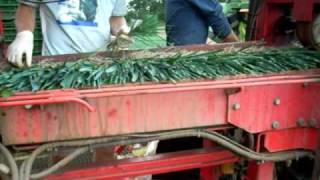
212,172
260,171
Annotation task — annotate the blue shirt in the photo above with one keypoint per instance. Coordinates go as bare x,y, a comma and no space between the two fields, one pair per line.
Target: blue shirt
188,21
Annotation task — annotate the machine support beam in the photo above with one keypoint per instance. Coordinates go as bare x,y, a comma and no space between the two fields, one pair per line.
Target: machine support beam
260,171
161,163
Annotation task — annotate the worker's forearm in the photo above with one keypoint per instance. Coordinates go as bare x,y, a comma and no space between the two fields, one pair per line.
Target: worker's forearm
232,37
25,18
116,23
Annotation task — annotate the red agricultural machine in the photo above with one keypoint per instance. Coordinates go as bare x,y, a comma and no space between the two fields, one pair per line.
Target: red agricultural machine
274,119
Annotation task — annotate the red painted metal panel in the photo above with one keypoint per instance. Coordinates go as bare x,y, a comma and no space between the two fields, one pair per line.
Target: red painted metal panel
113,116
157,164
212,172
116,110
272,10
270,107
266,22
298,138
262,171
303,13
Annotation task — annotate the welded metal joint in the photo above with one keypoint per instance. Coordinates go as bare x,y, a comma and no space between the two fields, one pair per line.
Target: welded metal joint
275,125
277,101
236,106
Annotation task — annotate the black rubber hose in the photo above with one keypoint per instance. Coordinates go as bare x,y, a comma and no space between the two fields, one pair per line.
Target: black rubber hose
12,163
61,163
213,136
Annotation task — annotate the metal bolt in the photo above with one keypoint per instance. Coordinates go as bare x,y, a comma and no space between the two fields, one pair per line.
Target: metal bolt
236,106
305,84
28,107
277,101
275,124
301,122
313,123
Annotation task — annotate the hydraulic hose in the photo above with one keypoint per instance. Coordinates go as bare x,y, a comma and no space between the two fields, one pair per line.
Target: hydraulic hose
125,140
12,164
61,163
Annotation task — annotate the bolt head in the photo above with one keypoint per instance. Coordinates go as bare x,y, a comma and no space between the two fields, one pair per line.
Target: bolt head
275,125
301,122
277,101
236,106
28,107
313,123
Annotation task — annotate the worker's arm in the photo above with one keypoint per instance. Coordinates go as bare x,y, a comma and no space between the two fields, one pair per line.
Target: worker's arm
25,18
23,43
119,25
213,12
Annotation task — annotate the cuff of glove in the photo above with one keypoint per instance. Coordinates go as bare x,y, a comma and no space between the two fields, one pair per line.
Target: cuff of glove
25,34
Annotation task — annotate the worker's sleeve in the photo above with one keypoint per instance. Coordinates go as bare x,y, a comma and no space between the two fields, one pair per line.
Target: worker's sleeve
120,8
213,12
28,3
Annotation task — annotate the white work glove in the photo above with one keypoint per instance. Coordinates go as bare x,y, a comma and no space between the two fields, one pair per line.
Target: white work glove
22,44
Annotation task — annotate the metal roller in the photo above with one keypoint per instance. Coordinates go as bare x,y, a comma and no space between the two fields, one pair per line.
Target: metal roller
309,33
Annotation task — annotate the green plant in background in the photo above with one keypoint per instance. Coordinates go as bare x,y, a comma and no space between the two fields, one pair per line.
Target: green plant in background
231,9
147,32
96,72
150,34
140,8
144,34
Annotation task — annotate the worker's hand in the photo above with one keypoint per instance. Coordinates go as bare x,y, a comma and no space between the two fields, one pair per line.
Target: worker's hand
23,44
122,40
210,42
124,29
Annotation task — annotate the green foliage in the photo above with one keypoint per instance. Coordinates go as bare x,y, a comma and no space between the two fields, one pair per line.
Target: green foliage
146,30
140,8
86,73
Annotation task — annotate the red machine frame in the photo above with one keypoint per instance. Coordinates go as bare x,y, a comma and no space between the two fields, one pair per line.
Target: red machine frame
267,18
284,106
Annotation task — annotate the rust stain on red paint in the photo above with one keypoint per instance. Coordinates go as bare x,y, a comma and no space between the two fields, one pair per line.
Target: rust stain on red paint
112,113
49,116
128,103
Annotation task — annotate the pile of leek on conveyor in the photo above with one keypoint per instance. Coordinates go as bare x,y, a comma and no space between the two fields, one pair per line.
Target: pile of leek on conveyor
95,72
